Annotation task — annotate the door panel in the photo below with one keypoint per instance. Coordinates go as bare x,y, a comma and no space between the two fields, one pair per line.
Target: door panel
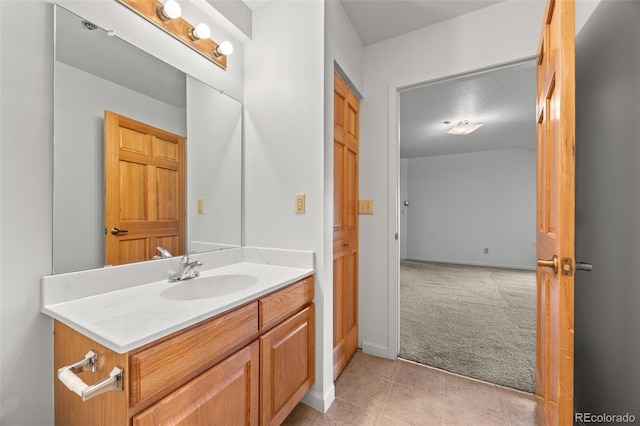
144,190
555,215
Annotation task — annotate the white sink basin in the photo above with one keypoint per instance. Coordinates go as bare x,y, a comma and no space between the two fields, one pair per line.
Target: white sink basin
209,287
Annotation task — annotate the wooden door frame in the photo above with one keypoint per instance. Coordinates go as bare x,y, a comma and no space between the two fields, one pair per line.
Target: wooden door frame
393,337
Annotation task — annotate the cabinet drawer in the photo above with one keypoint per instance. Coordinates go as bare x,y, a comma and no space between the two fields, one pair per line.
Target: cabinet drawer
225,394
283,303
162,367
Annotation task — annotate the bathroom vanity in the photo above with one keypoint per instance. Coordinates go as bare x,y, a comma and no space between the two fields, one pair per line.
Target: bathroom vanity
182,353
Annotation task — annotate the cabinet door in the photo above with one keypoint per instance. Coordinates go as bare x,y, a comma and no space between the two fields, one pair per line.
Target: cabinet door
225,394
287,361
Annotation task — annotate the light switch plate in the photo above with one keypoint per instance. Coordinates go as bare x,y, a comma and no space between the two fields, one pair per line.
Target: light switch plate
365,206
200,205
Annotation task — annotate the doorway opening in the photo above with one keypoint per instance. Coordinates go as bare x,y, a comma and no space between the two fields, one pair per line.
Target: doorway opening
467,292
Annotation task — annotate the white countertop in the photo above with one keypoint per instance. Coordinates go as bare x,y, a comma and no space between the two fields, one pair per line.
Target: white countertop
130,317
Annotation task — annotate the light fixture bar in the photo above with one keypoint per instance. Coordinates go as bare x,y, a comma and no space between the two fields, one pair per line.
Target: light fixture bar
464,128
179,28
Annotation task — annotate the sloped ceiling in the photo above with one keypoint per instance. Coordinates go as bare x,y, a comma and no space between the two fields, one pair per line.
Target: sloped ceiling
378,20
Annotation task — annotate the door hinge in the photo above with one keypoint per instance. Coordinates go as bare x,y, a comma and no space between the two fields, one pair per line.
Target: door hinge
566,266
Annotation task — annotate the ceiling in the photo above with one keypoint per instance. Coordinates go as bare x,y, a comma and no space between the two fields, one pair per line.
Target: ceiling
502,98
378,20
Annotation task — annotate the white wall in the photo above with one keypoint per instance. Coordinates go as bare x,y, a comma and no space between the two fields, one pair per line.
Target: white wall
464,203
501,33
344,49
80,101
26,134
26,159
284,151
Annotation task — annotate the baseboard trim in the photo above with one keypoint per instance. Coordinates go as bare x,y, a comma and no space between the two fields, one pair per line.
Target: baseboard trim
371,349
319,402
460,262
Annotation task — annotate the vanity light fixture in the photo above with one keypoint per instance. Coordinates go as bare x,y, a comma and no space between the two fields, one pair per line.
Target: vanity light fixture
201,31
166,16
464,128
169,10
223,49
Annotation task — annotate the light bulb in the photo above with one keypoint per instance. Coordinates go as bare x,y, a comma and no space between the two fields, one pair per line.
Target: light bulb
224,49
201,31
170,10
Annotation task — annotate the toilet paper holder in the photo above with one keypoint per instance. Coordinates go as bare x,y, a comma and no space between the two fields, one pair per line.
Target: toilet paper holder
67,375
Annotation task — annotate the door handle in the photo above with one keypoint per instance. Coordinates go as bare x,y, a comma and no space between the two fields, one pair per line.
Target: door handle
345,243
116,231
552,263
584,266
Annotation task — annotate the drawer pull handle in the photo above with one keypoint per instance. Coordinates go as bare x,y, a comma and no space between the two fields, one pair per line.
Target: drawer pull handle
67,375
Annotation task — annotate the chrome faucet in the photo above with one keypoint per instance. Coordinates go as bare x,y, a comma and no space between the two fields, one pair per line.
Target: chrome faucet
186,270
164,253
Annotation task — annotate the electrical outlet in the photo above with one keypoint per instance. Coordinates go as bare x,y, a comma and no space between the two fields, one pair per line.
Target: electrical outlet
300,203
200,205
365,206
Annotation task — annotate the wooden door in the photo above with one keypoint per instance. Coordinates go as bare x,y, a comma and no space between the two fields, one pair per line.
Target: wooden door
225,394
144,190
345,225
555,213
287,366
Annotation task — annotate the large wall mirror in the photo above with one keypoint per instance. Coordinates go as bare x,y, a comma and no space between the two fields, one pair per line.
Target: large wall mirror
95,71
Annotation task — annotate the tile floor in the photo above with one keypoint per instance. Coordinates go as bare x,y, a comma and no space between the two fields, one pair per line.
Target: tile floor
377,391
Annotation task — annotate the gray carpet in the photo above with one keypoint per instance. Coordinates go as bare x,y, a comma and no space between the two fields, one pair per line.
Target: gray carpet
475,321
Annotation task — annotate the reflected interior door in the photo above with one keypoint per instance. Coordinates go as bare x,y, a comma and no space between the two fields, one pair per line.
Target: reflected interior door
345,225
555,213
144,190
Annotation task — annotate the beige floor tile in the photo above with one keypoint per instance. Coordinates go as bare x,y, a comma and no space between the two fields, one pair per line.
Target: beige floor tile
388,421
344,413
466,392
377,391
469,414
520,408
428,380
372,365
301,415
360,388
412,406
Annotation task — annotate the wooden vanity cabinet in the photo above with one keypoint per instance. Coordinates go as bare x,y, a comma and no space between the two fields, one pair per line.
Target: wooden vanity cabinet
249,366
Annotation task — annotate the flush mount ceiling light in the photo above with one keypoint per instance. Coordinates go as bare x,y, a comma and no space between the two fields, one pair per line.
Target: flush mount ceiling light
464,128
166,16
169,10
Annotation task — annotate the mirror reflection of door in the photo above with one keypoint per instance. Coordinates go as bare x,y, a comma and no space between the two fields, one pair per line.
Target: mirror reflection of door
144,190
